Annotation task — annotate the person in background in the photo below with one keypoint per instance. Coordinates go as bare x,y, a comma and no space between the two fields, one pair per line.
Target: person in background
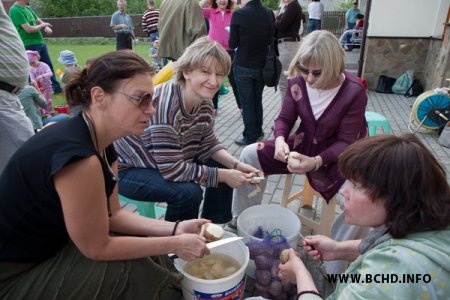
64,234
15,127
31,99
68,59
29,26
150,20
250,36
351,33
287,24
219,17
180,23
330,104
409,210
122,24
179,151
350,16
153,53
40,75
315,12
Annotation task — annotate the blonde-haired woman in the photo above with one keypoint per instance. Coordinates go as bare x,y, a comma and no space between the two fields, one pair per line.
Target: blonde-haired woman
179,152
287,25
330,104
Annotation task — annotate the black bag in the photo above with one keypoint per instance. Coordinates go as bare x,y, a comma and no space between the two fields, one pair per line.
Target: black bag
385,84
272,67
415,89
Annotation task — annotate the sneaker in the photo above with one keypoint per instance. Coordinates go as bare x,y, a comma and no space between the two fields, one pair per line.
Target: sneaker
233,223
241,142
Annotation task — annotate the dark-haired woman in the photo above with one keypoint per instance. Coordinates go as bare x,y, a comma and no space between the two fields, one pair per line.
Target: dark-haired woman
395,185
219,17
58,199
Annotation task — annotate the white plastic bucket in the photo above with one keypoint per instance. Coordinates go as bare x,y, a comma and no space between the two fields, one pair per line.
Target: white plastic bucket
269,217
231,287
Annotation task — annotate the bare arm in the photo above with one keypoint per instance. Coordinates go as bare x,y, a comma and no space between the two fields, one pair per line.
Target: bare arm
80,187
30,29
320,247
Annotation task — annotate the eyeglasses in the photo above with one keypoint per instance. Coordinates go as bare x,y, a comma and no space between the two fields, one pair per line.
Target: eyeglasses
306,72
143,101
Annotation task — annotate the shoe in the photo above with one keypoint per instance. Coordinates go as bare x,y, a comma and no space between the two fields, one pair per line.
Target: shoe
233,223
241,142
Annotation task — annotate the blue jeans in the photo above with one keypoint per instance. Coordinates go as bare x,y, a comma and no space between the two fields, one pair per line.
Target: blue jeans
43,53
250,86
183,198
314,24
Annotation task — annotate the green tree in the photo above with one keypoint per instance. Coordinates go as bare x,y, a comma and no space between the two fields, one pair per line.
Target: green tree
272,4
345,5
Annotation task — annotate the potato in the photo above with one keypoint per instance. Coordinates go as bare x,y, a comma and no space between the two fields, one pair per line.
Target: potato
275,269
276,288
284,256
263,277
263,262
292,161
212,232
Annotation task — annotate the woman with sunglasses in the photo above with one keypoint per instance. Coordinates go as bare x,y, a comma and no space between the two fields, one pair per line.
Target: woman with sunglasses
179,151
59,200
330,104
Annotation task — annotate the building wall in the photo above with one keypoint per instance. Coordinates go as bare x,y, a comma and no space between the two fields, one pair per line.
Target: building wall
414,38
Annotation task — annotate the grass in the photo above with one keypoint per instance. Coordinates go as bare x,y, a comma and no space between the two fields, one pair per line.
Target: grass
85,49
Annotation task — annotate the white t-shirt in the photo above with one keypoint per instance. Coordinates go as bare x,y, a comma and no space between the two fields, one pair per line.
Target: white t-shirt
320,99
315,10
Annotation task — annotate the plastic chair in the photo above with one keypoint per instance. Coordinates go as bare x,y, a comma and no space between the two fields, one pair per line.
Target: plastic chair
306,195
147,209
375,120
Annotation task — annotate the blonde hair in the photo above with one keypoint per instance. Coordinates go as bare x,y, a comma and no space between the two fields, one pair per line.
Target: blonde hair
320,49
198,54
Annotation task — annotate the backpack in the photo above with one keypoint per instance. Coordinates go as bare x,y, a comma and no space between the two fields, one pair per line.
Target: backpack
403,82
272,67
415,89
385,84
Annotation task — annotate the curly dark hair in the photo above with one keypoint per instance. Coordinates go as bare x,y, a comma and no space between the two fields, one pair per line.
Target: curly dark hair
401,172
229,5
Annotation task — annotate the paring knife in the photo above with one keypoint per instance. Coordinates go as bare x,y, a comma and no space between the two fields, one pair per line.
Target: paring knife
214,244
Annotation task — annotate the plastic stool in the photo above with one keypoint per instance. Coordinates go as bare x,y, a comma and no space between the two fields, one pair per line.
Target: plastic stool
375,120
148,209
327,212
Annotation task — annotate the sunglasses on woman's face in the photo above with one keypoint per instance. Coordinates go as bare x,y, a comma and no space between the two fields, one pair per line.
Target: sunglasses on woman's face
306,72
143,101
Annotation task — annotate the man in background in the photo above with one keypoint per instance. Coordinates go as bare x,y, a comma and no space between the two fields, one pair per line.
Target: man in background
350,16
122,24
29,26
15,127
180,23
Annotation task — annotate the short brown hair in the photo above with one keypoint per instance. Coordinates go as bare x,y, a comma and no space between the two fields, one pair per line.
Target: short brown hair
401,172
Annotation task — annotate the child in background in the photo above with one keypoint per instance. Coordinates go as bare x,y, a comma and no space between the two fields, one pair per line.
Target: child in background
153,53
67,58
40,74
31,98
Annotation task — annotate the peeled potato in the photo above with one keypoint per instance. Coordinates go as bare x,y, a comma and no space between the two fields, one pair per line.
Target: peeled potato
292,161
212,232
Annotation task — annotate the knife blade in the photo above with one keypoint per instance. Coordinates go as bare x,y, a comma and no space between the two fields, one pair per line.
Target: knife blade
213,244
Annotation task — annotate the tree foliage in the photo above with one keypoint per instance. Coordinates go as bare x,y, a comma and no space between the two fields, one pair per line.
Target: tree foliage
79,8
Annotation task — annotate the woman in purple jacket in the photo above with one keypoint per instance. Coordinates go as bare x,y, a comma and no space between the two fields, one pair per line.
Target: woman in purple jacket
330,104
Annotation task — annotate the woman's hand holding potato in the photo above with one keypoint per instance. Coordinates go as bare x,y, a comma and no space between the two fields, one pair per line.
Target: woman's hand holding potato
299,163
281,149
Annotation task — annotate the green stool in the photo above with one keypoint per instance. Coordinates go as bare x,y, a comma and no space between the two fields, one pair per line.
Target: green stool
375,120
148,209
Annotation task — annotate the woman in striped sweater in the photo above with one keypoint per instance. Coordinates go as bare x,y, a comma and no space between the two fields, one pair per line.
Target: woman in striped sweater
179,152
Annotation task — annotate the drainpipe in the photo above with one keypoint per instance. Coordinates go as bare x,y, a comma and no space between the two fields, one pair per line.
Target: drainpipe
363,44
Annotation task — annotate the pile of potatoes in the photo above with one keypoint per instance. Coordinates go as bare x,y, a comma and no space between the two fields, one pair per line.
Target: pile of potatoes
214,266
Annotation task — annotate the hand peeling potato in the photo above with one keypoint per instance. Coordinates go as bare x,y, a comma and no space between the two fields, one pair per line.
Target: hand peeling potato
212,232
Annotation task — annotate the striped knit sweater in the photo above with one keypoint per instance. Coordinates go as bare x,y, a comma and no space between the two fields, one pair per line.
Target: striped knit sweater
174,140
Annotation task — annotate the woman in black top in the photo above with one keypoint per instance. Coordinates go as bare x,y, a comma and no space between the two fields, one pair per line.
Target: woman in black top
58,199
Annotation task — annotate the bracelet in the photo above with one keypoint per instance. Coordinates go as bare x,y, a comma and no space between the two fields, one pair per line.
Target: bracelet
308,292
236,164
175,227
317,163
